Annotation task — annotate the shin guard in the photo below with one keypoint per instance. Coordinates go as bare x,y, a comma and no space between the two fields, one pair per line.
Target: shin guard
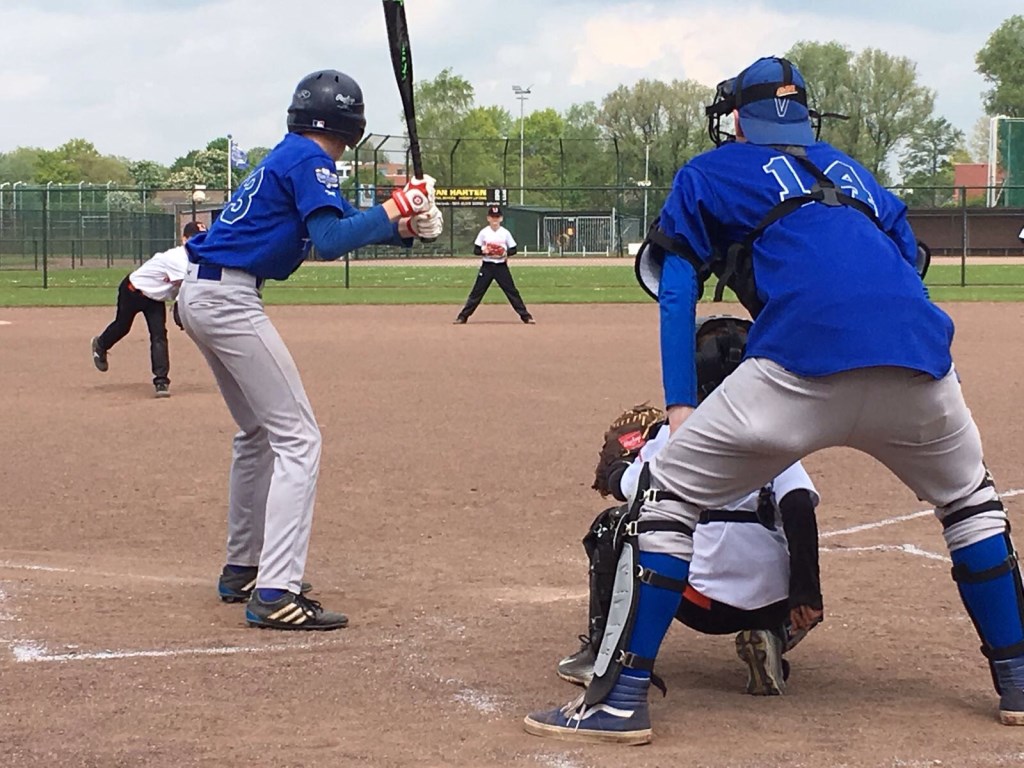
613,653
988,579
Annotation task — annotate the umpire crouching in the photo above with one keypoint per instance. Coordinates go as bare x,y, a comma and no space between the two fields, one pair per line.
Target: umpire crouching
495,244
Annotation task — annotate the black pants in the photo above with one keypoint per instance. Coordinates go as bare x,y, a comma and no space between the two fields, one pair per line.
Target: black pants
131,302
710,617
489,272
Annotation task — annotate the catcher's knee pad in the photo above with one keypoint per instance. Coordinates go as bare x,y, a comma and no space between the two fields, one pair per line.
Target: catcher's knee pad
612,650
973,518
666,523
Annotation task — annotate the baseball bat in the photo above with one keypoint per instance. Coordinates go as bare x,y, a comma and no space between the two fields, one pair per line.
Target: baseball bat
401,61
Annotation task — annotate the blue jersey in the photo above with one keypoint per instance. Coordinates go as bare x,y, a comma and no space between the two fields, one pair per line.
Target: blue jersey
263,229
839,292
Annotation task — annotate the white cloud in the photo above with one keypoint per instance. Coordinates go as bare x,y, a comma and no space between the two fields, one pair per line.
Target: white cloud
148,79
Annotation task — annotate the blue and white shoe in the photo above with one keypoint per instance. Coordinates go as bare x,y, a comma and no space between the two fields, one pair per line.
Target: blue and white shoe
622,718
1010,674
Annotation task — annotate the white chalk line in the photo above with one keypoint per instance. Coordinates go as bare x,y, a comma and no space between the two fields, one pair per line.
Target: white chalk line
901,518
34,653
158,578
910,549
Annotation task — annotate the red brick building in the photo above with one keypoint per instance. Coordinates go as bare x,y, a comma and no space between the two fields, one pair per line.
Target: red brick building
973,176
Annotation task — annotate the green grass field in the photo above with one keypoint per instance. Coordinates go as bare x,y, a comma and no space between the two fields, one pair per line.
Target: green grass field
425,283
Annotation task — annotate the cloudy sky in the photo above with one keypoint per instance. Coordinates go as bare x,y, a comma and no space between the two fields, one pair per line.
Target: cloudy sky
152,79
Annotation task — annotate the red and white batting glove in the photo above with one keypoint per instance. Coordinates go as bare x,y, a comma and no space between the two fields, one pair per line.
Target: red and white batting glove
417,196
426,226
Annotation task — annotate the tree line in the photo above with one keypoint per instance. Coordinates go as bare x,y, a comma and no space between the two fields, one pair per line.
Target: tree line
636,134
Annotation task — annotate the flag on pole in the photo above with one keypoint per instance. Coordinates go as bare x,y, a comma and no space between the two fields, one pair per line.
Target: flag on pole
239,158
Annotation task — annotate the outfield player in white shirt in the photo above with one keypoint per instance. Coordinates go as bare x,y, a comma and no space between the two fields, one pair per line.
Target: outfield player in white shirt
494,244
146,290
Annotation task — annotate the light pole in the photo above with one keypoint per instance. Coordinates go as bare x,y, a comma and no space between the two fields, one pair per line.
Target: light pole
198,196
5,184
14,195
522,94
646,183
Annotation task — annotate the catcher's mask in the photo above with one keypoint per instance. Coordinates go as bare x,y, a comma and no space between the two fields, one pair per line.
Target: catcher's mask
721,342
771,98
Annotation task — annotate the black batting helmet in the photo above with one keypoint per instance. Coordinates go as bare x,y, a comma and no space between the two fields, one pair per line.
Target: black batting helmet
721,342
328,102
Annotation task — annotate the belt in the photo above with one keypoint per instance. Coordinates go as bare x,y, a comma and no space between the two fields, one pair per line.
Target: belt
728,516
131,287
217,274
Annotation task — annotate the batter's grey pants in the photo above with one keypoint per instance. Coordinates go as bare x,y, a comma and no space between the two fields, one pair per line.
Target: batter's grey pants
763,418
276,456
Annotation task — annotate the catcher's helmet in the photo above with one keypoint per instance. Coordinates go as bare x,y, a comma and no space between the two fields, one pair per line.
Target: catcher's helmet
328,102
771,98
756,92
721,342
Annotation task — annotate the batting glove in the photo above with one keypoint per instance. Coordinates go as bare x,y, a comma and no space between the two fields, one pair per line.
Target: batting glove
426,226
417,196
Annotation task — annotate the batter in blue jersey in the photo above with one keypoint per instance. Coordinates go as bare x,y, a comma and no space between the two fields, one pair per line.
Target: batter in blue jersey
846,349
289,204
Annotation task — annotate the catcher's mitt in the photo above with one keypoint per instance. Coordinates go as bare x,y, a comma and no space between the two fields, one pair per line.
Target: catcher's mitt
622,443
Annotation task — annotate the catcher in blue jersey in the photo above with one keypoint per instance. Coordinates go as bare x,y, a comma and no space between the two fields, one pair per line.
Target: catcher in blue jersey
846,349
290,203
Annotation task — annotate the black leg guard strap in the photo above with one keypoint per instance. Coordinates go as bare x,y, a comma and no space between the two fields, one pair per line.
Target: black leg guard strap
962,575
647,576
962,514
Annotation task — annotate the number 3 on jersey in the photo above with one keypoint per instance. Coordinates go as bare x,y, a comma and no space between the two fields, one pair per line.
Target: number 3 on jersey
242,200
843,175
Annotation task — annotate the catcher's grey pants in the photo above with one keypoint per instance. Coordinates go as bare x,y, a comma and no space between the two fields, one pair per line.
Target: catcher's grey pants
276,456
763,418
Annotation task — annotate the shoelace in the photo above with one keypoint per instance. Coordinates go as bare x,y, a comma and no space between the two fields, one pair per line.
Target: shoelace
311,607
584,642
574,709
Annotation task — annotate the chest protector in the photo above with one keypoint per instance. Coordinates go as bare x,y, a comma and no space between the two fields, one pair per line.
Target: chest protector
734,267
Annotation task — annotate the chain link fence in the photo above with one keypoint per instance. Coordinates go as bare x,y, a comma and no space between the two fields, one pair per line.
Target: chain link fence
89,226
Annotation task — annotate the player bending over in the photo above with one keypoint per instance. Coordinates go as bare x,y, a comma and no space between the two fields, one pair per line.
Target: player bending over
846,349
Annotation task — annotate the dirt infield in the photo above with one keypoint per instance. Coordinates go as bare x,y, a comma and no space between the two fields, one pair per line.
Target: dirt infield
454,491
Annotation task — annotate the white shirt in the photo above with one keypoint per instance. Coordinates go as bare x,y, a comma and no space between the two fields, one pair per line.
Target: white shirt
744,565
495,237
160,277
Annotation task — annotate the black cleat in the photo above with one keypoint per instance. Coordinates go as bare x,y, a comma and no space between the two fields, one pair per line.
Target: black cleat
578,668
237,586
99,355
292,612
